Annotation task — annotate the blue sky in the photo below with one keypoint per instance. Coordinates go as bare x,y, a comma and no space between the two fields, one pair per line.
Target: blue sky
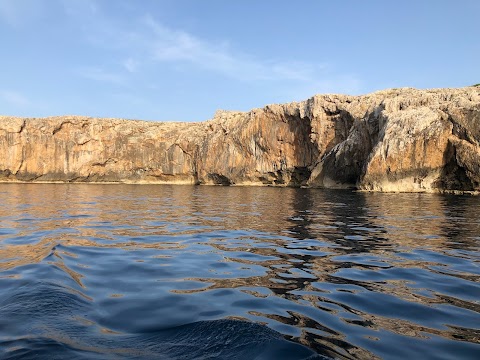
183,59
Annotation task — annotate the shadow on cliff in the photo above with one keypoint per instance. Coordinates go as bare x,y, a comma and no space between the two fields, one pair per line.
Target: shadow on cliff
460,167
344,165
453,176
305,150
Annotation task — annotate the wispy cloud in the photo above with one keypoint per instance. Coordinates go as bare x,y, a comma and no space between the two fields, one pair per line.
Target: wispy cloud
148,41
14,98
172,45
145,41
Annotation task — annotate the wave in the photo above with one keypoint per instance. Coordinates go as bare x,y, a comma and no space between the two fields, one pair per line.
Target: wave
215,339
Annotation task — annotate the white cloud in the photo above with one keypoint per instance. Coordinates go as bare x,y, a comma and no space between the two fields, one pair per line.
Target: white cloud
14,98
171,45
146,41
154,42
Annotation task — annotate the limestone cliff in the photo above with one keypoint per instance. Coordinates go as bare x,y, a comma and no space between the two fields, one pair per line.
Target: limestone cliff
393,140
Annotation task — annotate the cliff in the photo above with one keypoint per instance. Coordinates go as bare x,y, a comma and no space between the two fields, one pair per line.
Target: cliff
392,140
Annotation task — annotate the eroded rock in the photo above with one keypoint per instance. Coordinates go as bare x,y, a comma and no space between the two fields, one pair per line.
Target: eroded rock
392,140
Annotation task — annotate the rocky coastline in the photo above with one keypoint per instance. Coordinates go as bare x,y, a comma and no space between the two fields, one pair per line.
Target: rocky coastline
400,140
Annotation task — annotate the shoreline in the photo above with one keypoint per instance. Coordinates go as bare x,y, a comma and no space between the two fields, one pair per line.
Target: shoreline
246,185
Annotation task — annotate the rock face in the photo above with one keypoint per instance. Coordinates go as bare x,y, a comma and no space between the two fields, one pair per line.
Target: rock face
392,140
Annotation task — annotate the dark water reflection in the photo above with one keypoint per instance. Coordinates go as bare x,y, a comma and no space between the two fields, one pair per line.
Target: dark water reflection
112,271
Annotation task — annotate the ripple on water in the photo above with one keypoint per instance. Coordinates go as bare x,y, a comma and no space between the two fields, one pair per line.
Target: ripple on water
103,271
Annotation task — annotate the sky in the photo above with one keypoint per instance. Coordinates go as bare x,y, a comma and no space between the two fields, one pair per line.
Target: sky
182,60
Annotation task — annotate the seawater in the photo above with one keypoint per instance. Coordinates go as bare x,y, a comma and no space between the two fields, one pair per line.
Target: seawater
189,272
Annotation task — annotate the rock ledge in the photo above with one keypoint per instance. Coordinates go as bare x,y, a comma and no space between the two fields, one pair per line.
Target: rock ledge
404,140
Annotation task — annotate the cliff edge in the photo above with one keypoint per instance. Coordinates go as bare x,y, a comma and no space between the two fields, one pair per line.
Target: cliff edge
393,140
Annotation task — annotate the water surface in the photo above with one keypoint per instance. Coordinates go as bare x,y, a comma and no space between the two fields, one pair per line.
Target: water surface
185,272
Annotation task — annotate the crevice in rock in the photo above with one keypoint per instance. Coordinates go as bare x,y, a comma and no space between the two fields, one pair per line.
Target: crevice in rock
22,127
299,176
181,148
195,159
453,176
85,142
60,127
22,160
105,163
219,179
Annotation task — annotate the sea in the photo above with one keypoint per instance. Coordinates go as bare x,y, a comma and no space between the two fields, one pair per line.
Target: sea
91,271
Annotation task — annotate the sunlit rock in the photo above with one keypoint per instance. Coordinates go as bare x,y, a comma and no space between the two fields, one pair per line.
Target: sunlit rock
392,140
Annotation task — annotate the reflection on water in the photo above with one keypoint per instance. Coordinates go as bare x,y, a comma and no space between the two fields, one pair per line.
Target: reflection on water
140,271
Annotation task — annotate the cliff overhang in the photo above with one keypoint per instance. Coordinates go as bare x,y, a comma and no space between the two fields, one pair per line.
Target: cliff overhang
404,140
